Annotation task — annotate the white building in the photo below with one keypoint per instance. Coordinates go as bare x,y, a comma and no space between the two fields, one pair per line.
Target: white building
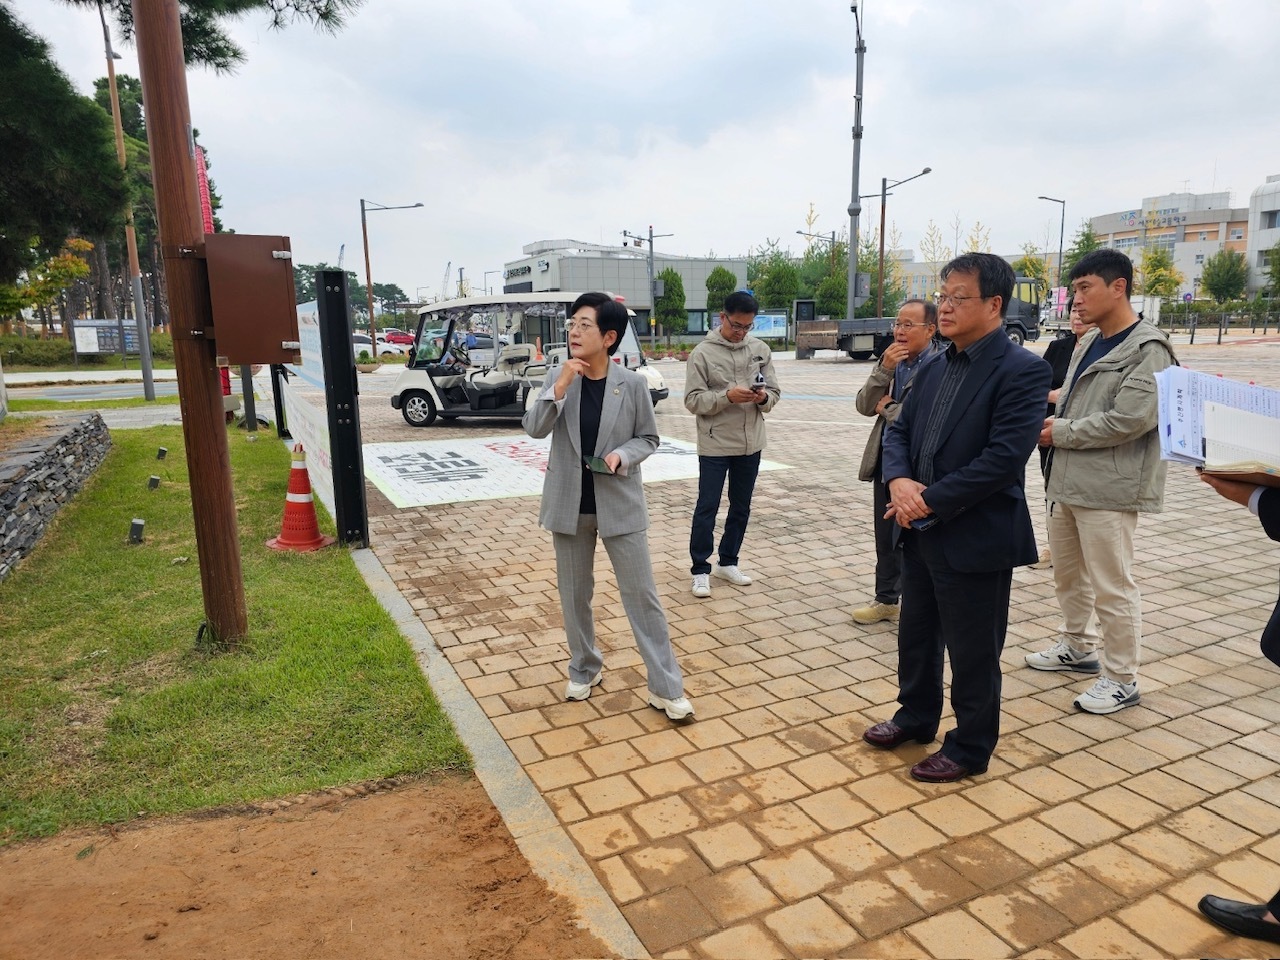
1193,226
1264,230
573,265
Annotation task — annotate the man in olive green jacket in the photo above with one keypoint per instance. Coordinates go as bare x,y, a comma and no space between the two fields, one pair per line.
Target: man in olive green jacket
729,387
1104,470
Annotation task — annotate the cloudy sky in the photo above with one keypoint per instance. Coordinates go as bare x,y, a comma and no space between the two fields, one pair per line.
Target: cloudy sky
718,121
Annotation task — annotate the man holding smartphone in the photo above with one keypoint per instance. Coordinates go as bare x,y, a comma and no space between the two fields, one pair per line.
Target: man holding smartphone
729,387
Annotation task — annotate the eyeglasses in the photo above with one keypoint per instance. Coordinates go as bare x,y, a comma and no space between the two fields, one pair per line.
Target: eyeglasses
908,326
740,327
583,325
947,298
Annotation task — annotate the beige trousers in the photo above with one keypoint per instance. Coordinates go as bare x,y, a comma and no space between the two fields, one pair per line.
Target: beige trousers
1093,575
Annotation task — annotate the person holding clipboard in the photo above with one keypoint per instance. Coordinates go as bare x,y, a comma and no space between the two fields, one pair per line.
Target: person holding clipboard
601,423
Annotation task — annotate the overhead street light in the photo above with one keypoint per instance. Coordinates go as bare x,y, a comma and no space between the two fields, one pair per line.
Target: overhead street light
884,193
370,206
1062,227
825,239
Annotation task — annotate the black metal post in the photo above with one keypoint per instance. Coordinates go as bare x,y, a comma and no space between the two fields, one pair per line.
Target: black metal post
250,412
278,375
343,405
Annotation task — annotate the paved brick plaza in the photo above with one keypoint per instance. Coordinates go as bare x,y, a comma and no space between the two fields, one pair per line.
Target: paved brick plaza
767,828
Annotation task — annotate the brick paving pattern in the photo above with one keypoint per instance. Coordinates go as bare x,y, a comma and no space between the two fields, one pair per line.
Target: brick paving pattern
767,828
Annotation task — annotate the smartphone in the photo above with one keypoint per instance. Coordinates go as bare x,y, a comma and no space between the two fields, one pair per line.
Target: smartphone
596,465
759,383
924,523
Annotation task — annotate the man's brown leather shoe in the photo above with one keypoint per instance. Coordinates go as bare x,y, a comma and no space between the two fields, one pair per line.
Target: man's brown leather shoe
939,768
888,735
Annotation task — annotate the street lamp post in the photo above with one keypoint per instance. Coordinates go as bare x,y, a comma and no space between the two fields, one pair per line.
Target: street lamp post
370,206
823,237
487,291
855,202
1062,227
130,238
653,300
884,193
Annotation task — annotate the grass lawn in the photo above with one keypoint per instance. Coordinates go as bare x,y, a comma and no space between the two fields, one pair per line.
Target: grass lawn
26,406
109,710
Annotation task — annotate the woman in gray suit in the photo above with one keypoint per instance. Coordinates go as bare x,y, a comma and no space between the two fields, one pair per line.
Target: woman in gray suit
601,423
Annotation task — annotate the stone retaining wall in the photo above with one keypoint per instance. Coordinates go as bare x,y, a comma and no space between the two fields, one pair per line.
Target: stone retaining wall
38,476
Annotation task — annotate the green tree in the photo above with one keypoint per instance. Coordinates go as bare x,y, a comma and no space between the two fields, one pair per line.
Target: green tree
204,40
832,296
1225,275
1156,274
61,174
1084,241
1032,264
778,282
1273,270
670,310
720,283
129,92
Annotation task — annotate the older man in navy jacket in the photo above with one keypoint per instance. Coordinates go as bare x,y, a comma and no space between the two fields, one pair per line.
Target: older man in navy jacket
954,462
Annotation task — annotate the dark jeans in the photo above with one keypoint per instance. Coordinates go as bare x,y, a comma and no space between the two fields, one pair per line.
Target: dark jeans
888,558
741,472
966,616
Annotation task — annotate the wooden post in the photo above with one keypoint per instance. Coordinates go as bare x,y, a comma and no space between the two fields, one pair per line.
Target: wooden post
164,95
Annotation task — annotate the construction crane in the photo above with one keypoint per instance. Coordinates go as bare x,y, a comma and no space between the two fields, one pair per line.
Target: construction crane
444,284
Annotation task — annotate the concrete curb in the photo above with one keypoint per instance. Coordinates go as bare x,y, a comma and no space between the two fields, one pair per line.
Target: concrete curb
536,830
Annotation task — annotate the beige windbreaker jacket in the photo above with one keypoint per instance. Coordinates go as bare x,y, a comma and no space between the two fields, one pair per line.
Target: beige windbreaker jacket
727,429
1106,452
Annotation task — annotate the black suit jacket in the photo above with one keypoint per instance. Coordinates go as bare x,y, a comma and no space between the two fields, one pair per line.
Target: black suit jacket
979,468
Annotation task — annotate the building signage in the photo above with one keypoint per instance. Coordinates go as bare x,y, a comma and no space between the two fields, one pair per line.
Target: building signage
1168,217
517,272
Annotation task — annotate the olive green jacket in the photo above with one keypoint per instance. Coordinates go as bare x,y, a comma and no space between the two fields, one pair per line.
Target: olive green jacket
1106,448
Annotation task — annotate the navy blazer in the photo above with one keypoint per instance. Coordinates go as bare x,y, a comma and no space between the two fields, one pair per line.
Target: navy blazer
980,465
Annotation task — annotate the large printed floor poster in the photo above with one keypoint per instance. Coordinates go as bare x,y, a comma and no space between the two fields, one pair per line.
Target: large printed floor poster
420,473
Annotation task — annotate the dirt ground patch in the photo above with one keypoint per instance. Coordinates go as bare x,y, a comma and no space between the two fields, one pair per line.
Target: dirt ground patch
424,869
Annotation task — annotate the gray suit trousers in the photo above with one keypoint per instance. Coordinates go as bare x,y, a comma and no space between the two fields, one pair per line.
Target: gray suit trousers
575,574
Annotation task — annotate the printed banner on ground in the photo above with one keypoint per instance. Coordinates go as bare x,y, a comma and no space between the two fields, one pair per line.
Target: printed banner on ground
419,473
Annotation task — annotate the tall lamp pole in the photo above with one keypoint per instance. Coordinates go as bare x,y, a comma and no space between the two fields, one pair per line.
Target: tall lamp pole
487,292
370,206
855,203
130,239
884,193
1062,229
653,300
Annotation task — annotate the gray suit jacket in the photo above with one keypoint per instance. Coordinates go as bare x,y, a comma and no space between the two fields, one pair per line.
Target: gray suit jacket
627,428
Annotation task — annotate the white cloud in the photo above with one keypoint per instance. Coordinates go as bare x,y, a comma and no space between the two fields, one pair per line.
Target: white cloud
718,121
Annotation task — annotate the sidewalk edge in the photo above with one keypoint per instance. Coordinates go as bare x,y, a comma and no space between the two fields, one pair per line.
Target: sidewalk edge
535,828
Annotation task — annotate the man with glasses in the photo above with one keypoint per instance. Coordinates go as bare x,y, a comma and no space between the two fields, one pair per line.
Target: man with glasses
729,387
881,397
955,460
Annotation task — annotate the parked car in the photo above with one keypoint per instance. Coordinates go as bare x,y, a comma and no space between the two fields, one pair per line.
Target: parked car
361,341
397,336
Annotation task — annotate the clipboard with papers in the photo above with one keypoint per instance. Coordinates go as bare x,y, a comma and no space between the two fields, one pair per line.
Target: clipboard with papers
1225,427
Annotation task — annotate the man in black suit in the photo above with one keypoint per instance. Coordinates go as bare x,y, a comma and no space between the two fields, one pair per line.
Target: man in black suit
954,462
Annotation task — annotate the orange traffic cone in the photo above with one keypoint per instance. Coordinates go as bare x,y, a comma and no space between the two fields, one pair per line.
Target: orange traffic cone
299,531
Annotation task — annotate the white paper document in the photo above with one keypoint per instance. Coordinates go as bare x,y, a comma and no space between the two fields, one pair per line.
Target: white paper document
1182,397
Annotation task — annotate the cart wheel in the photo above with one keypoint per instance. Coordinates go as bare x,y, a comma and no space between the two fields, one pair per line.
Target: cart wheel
418,408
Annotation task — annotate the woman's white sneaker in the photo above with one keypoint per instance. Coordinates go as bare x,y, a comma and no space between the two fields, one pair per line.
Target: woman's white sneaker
678,709
580,691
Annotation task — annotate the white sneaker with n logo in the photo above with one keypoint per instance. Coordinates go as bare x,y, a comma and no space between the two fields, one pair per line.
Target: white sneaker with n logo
1108,696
